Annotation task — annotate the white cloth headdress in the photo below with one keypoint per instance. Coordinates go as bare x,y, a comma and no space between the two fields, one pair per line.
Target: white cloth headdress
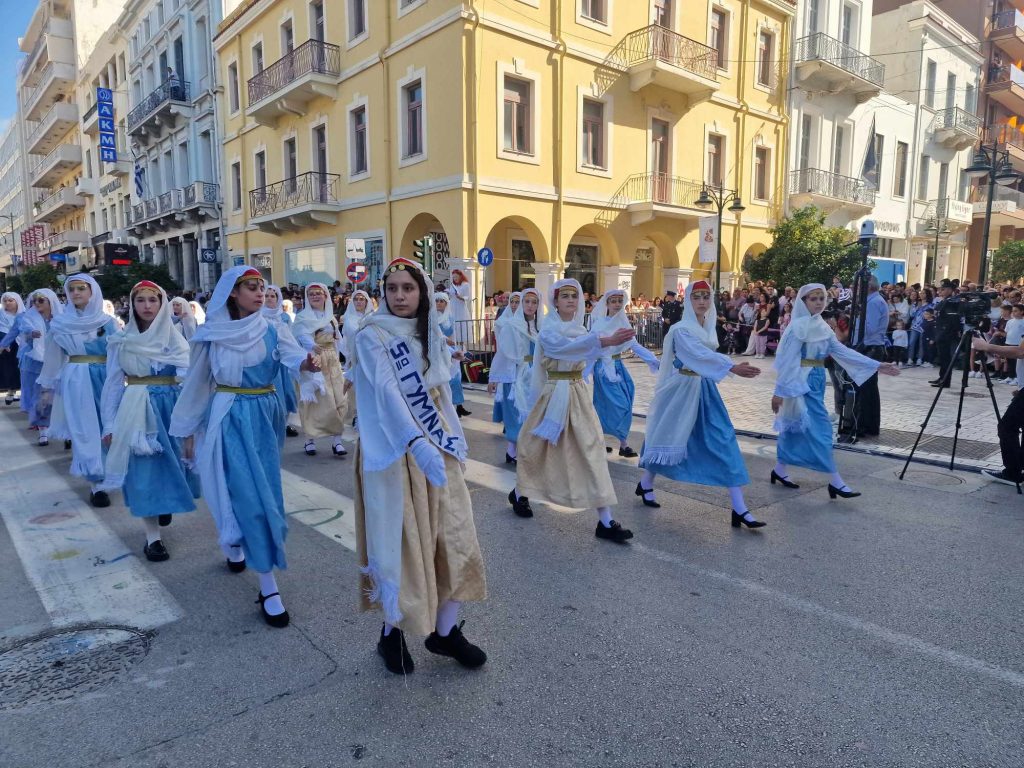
556,413
352,321
309,320
6,318
35,322
604,325
198,312
186,321
444,318
804,327
274,314
78,321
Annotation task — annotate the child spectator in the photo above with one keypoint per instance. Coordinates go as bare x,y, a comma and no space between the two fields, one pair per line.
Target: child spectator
900,341
1014,331
928,336
761,326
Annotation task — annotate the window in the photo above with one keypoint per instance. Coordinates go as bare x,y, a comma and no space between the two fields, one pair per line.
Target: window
848,25
806,137
236,186
970,96
929,86
291,166
663,13
899,186
922,178
517,116
716,158
879,156
595,10
838,150
356,18
593,141
883,247
316,20
261,169
233,86
765,54
359,147
720,35
412,96
762,172
287,38
257,58
943,180
950,90
812,16
311,264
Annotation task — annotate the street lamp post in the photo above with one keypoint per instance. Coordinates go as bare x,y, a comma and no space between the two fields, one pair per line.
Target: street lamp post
940,228
719,197
994,163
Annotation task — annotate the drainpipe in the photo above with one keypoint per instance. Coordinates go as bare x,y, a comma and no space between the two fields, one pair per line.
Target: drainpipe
394,243
558,251
741,124
474,141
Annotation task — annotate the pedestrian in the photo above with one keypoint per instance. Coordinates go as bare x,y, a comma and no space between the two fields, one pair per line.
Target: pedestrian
748,316
233,429
448,329
183,317
1014,334
144,362
947,332
690,438
760,332
286,388
560,457
803,424
75,366
460,296
900,342
671,311
11,308
316,330
511,351
417,544
31,330
1010,423
614,390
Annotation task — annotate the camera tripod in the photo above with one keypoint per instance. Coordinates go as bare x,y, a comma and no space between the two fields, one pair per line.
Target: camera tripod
962,348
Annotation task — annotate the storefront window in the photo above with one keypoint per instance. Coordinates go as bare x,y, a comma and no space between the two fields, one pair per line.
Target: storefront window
581,264
523,259
318,264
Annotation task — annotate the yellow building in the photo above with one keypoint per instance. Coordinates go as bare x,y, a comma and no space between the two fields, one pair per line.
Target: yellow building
565,135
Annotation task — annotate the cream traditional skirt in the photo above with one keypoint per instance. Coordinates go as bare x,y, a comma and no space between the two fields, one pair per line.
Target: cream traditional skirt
326,416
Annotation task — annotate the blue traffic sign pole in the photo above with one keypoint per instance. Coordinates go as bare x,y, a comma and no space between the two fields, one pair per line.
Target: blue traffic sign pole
485,257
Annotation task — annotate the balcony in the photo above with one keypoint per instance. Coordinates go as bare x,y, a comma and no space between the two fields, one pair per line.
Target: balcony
86,187
48,133
175,208
956,128
947,211
830,191
658,56
1010,138
1006,30
56,82
91,120
59,163
1007,206
1006,85
824,63
288,85
647,196
56,44
164,107
303,201
65,242
59,204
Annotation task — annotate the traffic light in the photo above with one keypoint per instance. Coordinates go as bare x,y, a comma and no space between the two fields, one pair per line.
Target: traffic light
423,252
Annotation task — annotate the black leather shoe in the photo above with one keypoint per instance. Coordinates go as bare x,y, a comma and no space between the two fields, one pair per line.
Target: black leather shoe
456,646
461,411
278,621
833,492
291,431
738,520
510,460
520,506
310,448
164,520
776,477
615,532
642,492
156,552
940,386
339,450
99,499
607,449
395,653
67,445
236,567
628,453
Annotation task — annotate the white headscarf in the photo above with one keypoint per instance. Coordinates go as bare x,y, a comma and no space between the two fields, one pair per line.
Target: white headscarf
6,318
444,318
289,308
79,321
803,328
34,320
803,325
309,320
198,312
135,426
603,325
556,413
352,321
186,321
509,314
274,314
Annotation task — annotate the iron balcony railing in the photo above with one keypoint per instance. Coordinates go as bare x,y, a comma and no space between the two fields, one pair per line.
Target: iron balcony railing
955,118
655,43
90,112
310,187
1005,76
661,188
200,192
49,157
1005,134
1007,20
313,56
171,89
817,182
821,47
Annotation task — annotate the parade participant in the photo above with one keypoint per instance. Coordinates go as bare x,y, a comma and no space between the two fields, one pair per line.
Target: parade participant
32,328
183,317
803,424
359,308
613,386
417,542
233,428
289,308
316,329
447,325
560,456
111,311
461,297
144,362
511,351
11,307
198,312
75,365
690,438
285,385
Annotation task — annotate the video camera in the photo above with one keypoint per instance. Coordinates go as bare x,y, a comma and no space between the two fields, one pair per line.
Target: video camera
974,306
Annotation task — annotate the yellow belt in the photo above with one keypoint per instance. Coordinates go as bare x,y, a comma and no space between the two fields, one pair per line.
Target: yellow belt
805,363
528,359
247,390
688,372
87,359
151,381
617,357
565,375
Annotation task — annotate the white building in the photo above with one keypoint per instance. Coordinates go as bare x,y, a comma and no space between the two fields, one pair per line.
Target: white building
172,131
13,194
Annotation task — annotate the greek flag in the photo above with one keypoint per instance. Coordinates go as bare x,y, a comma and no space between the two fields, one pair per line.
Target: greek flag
140,180
872,162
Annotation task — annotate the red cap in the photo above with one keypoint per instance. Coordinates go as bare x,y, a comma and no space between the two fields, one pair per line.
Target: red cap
700,285
248,274
145,284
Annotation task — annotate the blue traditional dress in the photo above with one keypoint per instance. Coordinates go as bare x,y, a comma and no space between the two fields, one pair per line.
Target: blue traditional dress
20,335
455,383
285,385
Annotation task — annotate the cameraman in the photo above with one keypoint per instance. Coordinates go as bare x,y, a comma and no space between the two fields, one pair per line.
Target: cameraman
947,332
1012,421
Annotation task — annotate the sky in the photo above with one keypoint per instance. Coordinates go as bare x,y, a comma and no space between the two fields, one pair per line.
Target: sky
14,16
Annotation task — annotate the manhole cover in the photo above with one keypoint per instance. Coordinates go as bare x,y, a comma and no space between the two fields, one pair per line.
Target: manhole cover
61,664
930,478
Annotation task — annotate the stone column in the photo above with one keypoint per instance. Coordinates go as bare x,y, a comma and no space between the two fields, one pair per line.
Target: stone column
159,255
546,274
675,280
189,264
174,262
728,281
620,276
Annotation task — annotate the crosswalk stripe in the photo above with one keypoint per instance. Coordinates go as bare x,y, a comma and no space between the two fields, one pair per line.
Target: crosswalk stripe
325,511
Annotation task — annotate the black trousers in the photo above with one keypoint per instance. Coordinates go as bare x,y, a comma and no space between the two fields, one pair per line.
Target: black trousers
1010,426
945,347
868,407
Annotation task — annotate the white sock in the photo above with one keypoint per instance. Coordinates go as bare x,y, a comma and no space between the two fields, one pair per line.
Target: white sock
781,470
447,617
387,628
605,513
647,484
96,487
738,503
337,442
510,449
623,444
152,529
268,586
293,420
235,554
837,481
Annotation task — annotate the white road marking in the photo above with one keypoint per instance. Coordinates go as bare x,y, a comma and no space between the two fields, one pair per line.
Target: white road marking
322,509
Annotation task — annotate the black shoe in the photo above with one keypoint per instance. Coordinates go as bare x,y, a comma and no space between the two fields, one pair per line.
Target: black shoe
156,552
614,532
628,453
607,449
278,621
937,385
461,411
738,520
510,460
520,506
776,477
67,445
236,567
310,448
164,520
833,492
1002,476
8,400
642,494
99,499
456,646
291,431
395,653
339,450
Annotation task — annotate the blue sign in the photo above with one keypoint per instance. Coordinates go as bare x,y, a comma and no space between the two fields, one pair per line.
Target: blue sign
104,96
208,255
108,140
108,155
485,256
58,257
238,260
108,137
106,124
105,110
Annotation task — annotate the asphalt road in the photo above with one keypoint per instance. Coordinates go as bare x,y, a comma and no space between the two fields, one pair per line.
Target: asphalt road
881,631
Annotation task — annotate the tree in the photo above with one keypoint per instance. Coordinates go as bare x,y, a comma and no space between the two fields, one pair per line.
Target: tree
1008,262
116,282
38,276
805,250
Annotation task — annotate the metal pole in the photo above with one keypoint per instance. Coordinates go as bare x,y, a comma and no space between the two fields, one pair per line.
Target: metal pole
718,259
988,223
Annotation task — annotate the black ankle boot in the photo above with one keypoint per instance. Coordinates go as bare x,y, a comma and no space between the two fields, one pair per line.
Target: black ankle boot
461,410
520,505
395,653
456,646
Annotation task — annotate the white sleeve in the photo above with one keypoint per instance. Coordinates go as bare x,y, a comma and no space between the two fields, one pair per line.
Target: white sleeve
113,388
585,348
54,360
189,413
789,382
698,358
860,367
644,354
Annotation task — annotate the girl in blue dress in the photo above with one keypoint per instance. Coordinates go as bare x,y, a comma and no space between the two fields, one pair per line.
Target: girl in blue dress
509,353
690,437
231,419
74,372
803,424
29,330
441,301
144,362
613,386
11,306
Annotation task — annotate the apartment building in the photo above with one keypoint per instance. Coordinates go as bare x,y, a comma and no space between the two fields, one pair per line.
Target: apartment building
13,195
568,136
173,137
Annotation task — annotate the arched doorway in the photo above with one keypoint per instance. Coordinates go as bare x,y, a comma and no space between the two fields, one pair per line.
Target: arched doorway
517,244
424,225
589,249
